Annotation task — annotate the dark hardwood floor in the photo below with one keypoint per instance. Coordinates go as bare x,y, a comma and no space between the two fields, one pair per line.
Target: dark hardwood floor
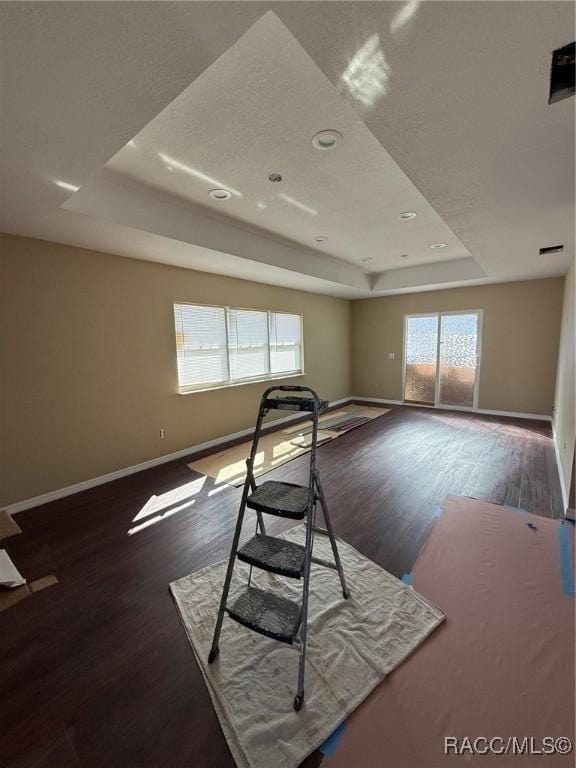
97,670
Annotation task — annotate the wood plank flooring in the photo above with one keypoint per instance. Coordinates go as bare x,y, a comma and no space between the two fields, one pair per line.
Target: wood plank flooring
97,671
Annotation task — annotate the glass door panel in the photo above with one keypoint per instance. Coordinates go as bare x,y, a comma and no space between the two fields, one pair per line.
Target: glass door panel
458,359
420,359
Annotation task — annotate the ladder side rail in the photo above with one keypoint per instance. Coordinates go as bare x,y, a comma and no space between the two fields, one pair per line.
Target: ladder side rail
237,532
313,447
259,522
304,615
330,531
311,516
310,525
259,516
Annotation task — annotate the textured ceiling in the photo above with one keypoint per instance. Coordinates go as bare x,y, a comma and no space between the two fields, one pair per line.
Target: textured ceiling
443,107
255,111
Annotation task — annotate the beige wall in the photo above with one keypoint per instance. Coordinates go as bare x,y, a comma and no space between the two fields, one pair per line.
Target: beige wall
564,408
519,341
90,364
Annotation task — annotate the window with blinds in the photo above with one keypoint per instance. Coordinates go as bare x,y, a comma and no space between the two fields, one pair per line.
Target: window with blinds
285,342
220,346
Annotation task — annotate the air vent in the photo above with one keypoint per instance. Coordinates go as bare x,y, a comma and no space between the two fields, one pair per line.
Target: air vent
562,83
551,249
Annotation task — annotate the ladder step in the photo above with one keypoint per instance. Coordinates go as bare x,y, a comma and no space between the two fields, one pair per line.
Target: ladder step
275,555
281,499
267,613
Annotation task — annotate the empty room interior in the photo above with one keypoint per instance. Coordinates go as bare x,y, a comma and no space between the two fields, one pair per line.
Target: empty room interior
287,396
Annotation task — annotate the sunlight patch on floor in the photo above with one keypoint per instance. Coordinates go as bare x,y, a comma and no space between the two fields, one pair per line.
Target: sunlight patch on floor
158,518
167,504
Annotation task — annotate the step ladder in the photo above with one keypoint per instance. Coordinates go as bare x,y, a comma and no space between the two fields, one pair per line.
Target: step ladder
269,613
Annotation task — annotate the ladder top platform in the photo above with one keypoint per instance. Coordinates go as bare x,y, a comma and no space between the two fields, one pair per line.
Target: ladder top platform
292,403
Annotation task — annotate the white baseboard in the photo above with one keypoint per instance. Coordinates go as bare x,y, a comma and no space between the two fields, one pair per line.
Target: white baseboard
485,411
60,493
559,465
513,414
377,400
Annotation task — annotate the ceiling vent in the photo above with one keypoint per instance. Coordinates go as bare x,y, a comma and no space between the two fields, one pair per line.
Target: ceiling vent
551,249
562,74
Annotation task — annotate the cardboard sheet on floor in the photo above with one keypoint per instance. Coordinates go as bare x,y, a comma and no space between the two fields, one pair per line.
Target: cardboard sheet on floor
503,663
305,441
303,426
229,466
330,420
8,526
324,423
352,645
10,576
351,423
9,597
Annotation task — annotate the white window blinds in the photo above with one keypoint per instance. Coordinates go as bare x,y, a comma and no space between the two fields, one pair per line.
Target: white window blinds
201,346
218,346
248,344
285,342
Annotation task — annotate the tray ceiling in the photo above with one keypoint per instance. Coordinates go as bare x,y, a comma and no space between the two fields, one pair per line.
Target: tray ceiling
134,137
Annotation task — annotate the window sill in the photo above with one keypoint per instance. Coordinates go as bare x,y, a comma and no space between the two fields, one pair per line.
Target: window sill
229,385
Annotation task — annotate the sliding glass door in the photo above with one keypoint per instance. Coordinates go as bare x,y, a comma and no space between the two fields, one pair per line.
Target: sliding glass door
458,359
441,358
421,354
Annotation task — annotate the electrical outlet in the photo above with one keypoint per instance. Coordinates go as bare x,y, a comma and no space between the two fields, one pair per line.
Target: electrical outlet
162,434
390,355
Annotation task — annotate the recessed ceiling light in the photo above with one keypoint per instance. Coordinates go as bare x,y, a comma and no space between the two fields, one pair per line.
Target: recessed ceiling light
321,239
172,164
220,194
407,215
274,178
326,139
367,258
438,245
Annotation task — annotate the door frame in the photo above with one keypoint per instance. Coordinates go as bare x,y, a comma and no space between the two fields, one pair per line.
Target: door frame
439,315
